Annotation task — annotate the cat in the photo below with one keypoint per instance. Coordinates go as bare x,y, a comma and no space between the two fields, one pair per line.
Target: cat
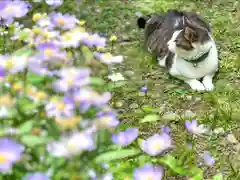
183,44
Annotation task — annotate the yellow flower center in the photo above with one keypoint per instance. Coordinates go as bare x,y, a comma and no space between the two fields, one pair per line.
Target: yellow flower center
60,106
149,178
37,30
107,56
9,9
68,37
36,17
60,21
17,86
90,38
31,91
113,38
106,119
9,64
3,159
156,146
82,22
41,95
48,52
6,100
70,82
72,147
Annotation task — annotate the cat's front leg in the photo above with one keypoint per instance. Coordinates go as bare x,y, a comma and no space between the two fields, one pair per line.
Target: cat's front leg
207,82
195,84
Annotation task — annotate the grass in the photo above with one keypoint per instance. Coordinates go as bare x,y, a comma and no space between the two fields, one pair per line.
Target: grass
170,97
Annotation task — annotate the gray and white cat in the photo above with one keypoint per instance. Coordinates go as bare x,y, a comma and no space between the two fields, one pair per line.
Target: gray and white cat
183,43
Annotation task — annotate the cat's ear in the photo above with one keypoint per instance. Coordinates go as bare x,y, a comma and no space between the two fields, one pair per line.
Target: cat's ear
141,22
186,21
189,34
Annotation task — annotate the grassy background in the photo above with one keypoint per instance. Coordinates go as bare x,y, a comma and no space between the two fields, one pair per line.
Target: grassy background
167,96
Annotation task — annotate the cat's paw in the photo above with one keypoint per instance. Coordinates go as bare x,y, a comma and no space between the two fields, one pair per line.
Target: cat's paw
195,85
208,85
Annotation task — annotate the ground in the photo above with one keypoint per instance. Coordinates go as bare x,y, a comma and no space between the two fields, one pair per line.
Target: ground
169,97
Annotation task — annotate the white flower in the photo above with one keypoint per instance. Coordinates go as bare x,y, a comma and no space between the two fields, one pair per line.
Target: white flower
3,112
116,77
13,64
74,144
72,39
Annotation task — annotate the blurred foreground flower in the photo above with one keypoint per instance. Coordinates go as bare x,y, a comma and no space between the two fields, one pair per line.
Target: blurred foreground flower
10,152
13,64
194,128
63,21
156,144
107,120
107,58
54,3
208,159
36,176
13,9
125,138
67,146
72,78
148,172
94,40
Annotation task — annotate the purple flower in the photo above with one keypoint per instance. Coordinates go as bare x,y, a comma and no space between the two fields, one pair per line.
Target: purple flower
71,145
156,144
59,108
125,138
194,128
36,176
10,152
64,22
54,3
50,51
108,119
13,9
208,159
72,78
87,97
2,72
144,89
13,64
94,40
148,171
165,129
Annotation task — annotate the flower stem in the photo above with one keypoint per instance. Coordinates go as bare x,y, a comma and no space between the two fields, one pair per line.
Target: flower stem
25,81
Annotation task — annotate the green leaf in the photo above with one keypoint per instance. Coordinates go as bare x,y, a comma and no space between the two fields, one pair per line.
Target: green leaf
32,140
113,85
35,79
150,118
149,109
25,51
173,164
88,55
97,81
199,176
114,155
179,91
26,127
218,177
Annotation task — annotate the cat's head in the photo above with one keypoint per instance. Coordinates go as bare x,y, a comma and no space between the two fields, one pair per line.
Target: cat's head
192,39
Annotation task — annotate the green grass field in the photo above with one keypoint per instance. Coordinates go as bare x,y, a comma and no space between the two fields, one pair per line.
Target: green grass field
169,97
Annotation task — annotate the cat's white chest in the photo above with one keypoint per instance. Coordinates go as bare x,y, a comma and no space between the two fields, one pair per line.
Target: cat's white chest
183,68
